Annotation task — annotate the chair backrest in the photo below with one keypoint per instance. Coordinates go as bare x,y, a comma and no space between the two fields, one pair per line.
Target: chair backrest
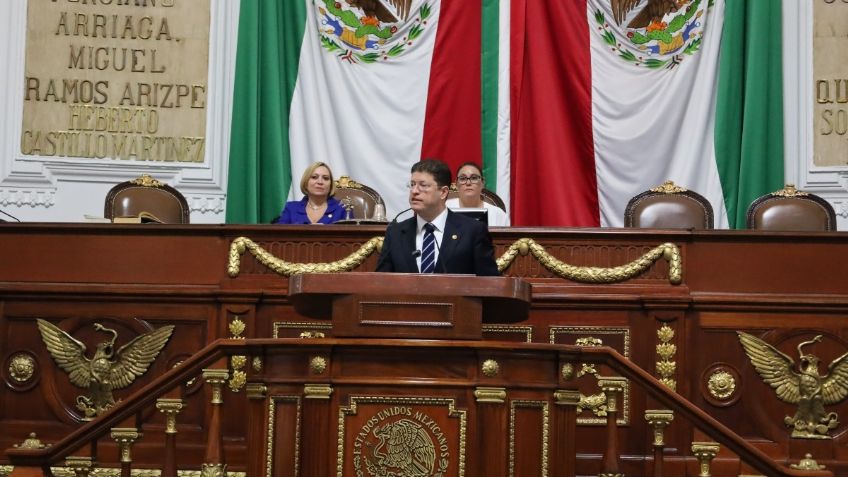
488,196
669,206
361,199
146,194
791,209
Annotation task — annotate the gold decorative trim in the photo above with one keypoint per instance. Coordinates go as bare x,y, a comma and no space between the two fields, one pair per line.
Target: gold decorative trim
659,419
125,437
147,181
272,425
256,390
453,412
345,182
5,470
257,364
116,472
237,363
567,372
596,403
284,268
80,466
213,470
705,452
543,405
32,442
216,378
237,327
490,368
807,463
21,367
666,366
611,386
490,395
567,397
668,187
721,385
170,408
789,190
667,251
318,364
294,325
317,391
527,330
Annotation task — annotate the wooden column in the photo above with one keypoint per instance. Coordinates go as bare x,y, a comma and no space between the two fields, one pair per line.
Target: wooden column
214,465
612,387
659,420
170,407
566,424
125,437
705,452
492,417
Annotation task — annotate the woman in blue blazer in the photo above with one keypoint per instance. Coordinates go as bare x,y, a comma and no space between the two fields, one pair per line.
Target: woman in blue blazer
318,205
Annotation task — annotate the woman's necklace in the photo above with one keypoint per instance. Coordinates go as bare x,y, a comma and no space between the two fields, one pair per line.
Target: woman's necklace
316,207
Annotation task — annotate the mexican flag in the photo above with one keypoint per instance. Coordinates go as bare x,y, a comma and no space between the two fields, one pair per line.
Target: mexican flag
572,106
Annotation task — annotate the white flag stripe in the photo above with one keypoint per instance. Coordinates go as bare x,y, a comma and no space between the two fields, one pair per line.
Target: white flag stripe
366,120
652,125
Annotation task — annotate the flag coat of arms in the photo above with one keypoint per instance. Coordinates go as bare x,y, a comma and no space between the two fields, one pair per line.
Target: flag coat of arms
572,107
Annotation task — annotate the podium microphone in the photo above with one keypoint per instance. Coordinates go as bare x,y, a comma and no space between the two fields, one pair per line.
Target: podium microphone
394,220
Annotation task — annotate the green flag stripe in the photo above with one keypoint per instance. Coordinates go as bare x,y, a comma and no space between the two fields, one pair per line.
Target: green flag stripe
749,108
489,91
269,41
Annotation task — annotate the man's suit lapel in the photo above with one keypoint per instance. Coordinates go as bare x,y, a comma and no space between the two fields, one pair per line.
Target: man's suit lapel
448,245
408,242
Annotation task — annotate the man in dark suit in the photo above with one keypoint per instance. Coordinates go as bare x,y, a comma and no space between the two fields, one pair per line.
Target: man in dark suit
436,240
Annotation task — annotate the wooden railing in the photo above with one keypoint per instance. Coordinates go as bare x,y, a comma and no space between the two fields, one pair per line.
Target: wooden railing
125,422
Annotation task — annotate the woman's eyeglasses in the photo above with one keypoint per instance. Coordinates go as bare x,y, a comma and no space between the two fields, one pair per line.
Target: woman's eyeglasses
473,179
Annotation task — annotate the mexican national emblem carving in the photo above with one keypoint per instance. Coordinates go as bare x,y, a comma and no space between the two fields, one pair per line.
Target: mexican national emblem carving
401,442
805,387
107,369
651,33
370,31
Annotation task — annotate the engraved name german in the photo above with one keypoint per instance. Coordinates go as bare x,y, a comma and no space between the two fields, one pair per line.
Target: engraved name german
116,79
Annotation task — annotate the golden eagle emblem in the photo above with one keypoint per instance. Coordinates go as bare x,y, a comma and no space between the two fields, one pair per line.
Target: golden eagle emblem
107,369
651,13
404,448
804,387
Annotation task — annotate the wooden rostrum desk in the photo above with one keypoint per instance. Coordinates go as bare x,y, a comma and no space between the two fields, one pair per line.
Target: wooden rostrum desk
783,287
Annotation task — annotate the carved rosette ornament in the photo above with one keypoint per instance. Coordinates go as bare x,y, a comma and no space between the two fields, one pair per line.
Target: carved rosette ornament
567,372
318,364
21,368
721,385
490,368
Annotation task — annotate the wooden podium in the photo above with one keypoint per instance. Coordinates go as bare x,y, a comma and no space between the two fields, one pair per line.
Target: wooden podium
410,305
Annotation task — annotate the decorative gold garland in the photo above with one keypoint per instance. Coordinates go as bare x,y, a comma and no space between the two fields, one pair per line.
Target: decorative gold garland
284,268
524,246
667,251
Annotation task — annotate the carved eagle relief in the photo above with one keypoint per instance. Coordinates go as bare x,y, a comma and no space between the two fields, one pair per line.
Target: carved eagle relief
804,387
107,369
387,11
652,11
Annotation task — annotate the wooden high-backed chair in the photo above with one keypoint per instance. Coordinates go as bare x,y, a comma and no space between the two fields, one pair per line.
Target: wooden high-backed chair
146,194
669,206
791,209
362,199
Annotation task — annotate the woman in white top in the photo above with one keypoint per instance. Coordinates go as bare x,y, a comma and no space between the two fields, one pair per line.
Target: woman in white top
469,183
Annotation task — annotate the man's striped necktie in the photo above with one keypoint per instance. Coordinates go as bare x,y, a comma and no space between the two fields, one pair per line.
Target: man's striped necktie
428,253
